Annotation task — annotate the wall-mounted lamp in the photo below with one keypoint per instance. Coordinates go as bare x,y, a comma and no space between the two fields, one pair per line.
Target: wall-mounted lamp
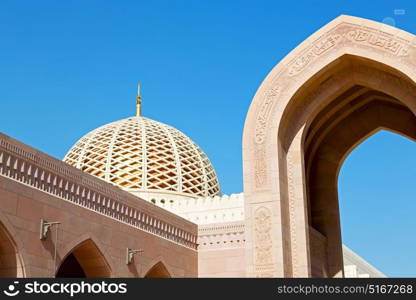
130,254
44,228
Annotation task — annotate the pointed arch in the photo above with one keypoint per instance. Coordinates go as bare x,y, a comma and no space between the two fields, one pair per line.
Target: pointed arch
325,149
10,260
157,268
11,253
296,133
85,257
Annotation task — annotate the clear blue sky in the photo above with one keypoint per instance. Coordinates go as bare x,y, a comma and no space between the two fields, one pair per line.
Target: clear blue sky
68,67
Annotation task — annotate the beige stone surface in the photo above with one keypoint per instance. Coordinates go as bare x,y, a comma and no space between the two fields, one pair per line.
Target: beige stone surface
221,251
348,80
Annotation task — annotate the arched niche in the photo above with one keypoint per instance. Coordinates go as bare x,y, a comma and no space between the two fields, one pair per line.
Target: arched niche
10,260
85,260
159,270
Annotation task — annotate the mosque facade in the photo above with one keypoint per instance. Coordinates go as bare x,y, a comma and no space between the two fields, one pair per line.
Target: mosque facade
139,198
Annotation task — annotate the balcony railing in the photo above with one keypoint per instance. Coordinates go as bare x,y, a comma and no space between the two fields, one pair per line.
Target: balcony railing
40,171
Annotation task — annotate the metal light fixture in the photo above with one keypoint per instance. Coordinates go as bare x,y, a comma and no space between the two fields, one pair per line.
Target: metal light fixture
44,228
130,254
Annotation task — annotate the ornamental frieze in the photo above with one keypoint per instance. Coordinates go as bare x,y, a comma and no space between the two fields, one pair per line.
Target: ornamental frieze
263,236
270,96
378,40
321,46
342,34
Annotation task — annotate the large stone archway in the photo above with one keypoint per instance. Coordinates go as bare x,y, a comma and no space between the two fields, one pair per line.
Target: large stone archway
347,81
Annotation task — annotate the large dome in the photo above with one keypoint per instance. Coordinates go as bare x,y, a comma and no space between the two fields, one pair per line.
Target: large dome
148,158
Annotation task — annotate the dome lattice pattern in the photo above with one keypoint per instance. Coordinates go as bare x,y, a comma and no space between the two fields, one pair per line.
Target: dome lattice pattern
140,154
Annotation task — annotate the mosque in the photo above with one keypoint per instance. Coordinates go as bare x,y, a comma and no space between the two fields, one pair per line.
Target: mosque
139,198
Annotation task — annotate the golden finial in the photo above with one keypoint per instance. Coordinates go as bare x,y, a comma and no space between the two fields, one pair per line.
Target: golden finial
138,101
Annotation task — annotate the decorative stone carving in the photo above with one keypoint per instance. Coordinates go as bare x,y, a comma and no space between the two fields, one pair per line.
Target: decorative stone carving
62,181
292,217
348,33
263,237
260,134
380,40
260,167
221,236
343,33
262,117
344,36
314,51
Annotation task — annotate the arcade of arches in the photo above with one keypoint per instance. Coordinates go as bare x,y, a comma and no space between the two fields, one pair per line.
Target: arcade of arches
84,261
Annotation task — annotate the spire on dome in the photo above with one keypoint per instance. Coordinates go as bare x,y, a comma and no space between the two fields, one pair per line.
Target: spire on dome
138,101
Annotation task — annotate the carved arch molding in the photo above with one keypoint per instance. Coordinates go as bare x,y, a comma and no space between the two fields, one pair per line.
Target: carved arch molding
349,79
